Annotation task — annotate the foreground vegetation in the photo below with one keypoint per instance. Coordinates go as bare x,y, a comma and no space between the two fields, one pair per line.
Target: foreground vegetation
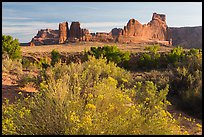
99,97
90,98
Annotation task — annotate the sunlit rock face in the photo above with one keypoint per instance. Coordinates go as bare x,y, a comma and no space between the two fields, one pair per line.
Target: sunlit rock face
63,32
156,31
46,37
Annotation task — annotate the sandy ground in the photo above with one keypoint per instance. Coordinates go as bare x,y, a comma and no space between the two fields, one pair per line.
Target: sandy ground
79,47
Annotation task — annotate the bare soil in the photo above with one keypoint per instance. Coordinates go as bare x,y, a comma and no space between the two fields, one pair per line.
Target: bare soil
79,47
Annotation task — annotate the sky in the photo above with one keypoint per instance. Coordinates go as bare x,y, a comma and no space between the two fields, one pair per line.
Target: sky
22,20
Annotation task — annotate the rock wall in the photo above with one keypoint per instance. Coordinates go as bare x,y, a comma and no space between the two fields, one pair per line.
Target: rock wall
75,32
187,37
46,37
63,32
156,31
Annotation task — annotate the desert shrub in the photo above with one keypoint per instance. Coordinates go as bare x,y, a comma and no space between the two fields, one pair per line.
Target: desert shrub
55,57
45,63
62,106
153,108
188,87
25,79
26,63
150,60
112,53
8,125
11,47
153,48
159,77
89,73
176,56
12,66
186,81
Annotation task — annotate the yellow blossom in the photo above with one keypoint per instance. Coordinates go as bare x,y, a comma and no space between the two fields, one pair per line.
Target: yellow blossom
90,106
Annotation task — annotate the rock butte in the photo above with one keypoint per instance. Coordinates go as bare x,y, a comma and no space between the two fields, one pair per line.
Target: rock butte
154,32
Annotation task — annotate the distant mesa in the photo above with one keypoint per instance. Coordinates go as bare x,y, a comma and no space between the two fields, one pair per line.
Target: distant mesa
187,37
154,32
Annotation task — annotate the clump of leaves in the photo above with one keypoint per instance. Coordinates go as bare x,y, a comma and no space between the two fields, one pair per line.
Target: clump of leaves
55,57
87,99
150,59
112,53
11,47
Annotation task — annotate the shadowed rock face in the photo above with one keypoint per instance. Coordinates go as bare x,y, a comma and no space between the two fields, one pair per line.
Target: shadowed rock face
63,32
154,32
75,30
187,37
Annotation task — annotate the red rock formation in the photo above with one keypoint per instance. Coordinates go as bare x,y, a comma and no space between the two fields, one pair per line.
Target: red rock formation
32,44
75,31
86,36
156,31
63,32
46,37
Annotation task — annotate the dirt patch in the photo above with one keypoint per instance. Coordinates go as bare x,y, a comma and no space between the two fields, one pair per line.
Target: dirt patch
11,90
80,47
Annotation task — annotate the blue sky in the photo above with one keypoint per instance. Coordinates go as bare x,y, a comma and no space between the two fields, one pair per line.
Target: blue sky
22,20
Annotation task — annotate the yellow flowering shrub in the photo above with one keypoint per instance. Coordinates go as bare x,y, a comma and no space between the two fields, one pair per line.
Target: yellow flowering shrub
87,99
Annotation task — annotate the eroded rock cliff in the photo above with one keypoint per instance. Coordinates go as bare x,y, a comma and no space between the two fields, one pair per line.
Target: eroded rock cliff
156,31
46,37
63,32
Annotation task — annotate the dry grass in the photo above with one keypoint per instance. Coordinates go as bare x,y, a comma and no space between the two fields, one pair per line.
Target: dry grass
79,47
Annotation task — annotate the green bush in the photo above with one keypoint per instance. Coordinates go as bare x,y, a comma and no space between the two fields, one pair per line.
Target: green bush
89,73
55,57
45,63
26,63
186,83
153,48
176,56
87,99
150,60
112,53
11,47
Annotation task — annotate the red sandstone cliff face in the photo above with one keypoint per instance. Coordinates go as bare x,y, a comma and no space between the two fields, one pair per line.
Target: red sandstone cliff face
156,31
75,32
86,36
63,32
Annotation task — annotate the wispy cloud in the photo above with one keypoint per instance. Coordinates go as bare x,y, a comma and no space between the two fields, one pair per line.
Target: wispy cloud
32,25
16,18
102,26
28,29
